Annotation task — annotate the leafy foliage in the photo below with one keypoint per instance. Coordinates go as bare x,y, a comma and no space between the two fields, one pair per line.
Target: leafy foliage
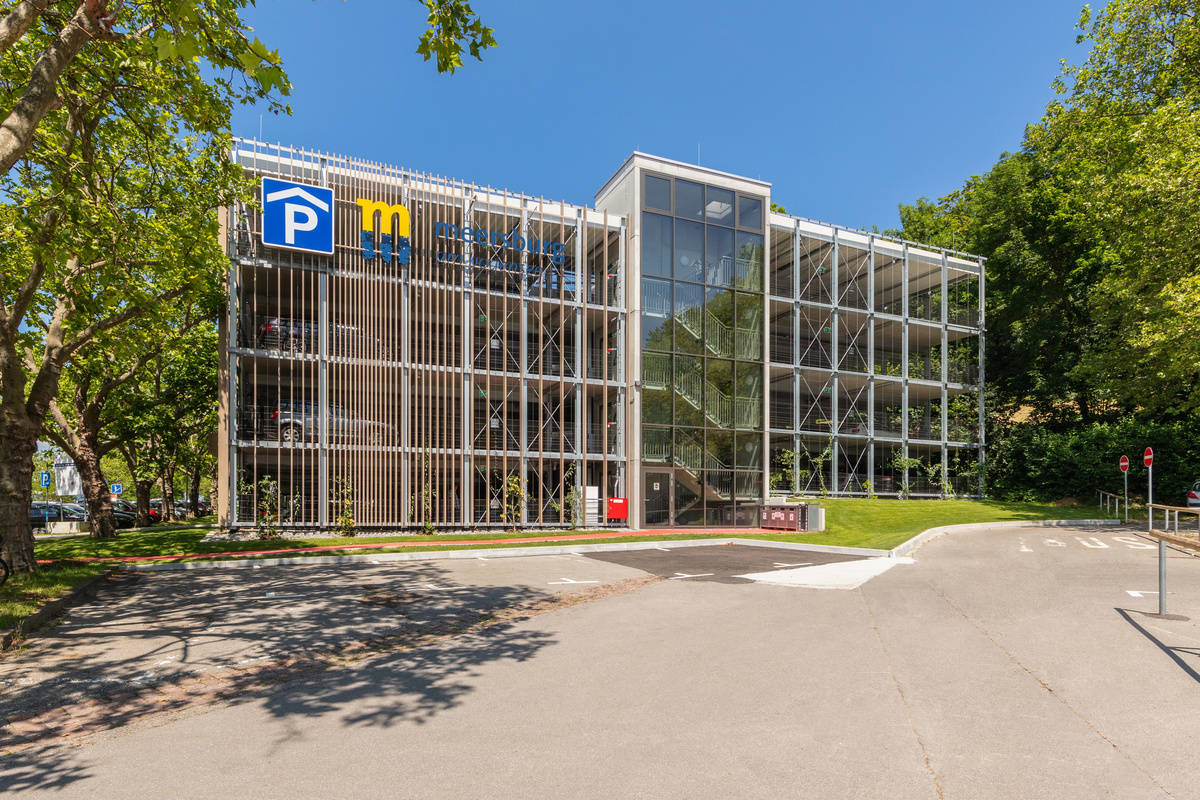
453,27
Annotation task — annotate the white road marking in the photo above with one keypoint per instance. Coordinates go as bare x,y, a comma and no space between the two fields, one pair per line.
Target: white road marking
1024,547
678,576
435,587
664,549
1132,593
272,596
1096,544
1054,543
568,580
1134,543
839,575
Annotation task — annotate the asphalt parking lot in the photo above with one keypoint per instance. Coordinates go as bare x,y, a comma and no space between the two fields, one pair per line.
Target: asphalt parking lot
1003,663
720,563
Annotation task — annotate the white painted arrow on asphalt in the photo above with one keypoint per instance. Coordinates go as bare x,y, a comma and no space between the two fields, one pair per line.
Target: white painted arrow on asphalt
1132,593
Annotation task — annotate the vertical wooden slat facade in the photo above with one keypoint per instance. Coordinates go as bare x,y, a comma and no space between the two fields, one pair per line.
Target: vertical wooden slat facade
412,392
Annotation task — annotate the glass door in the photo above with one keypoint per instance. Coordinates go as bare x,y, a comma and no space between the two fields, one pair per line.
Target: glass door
658,498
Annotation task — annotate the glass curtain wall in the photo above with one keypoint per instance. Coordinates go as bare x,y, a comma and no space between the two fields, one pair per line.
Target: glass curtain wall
702,360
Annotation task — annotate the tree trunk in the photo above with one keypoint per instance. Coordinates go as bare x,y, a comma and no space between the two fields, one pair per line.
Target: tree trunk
194,491
142,489
84,449
95,492
168,495
16,489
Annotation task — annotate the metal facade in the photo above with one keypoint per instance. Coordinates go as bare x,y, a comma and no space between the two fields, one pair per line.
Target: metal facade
474,386
485,385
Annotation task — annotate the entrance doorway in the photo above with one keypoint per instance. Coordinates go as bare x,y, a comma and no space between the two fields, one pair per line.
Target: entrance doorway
672,498
658,494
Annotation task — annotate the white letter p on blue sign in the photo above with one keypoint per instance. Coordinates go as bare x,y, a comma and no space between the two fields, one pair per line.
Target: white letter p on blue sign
297,216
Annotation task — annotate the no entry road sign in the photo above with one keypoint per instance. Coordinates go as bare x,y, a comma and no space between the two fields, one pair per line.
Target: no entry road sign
1148,457
1124,463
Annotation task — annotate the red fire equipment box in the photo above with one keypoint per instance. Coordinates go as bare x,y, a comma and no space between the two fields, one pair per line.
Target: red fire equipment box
618,508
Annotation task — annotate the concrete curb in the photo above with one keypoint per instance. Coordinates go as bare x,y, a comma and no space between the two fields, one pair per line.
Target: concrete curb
912,544
603,547
54,609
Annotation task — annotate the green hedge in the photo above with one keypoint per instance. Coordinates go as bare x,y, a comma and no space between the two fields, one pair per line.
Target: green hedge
1036,463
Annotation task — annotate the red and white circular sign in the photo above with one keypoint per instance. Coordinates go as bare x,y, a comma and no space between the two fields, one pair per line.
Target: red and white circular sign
1124,463
1148,456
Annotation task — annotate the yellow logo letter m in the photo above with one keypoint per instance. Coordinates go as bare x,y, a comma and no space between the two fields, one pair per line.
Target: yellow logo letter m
386,214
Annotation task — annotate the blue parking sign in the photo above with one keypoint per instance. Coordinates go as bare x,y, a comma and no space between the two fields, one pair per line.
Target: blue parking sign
45,479
116,488
297,216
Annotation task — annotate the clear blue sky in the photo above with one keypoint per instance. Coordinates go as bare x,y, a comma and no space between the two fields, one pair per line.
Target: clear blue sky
846,108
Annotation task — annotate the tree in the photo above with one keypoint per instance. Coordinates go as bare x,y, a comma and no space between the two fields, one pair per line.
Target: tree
82,421
116,122
1093,272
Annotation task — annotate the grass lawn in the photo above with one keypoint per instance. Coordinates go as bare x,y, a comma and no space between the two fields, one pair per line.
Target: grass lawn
885,522
22,595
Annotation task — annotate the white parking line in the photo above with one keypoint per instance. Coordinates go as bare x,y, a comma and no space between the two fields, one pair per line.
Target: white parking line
678,576
1091,542
1054,543
568,580
1132,593
781,565
1134,543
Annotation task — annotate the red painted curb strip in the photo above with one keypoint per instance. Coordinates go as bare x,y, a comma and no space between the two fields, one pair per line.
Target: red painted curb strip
380,545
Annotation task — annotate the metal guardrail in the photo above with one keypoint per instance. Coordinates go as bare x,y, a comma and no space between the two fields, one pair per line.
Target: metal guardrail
1112,503
1167,535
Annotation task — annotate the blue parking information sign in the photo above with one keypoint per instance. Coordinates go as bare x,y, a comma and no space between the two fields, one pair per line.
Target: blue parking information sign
116,488
45,479
297,216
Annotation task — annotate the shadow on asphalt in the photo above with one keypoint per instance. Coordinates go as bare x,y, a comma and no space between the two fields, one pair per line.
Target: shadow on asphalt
285,653
1172,652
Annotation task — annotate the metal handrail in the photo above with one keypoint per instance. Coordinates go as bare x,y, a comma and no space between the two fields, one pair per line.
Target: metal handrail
1111,503
1168,511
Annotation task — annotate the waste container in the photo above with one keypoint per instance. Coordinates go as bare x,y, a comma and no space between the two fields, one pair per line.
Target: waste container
785,517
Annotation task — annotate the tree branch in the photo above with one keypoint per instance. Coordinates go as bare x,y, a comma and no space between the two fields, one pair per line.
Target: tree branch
127,314
41,96
17,21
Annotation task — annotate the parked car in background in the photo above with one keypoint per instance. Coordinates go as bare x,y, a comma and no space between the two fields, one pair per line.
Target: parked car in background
180,508
300,336
299,421
1193,495
41,512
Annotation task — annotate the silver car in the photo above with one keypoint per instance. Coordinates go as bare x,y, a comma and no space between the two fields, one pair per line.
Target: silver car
1193,495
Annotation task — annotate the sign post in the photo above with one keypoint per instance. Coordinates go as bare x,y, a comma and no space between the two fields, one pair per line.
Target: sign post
1148,460
1125,472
